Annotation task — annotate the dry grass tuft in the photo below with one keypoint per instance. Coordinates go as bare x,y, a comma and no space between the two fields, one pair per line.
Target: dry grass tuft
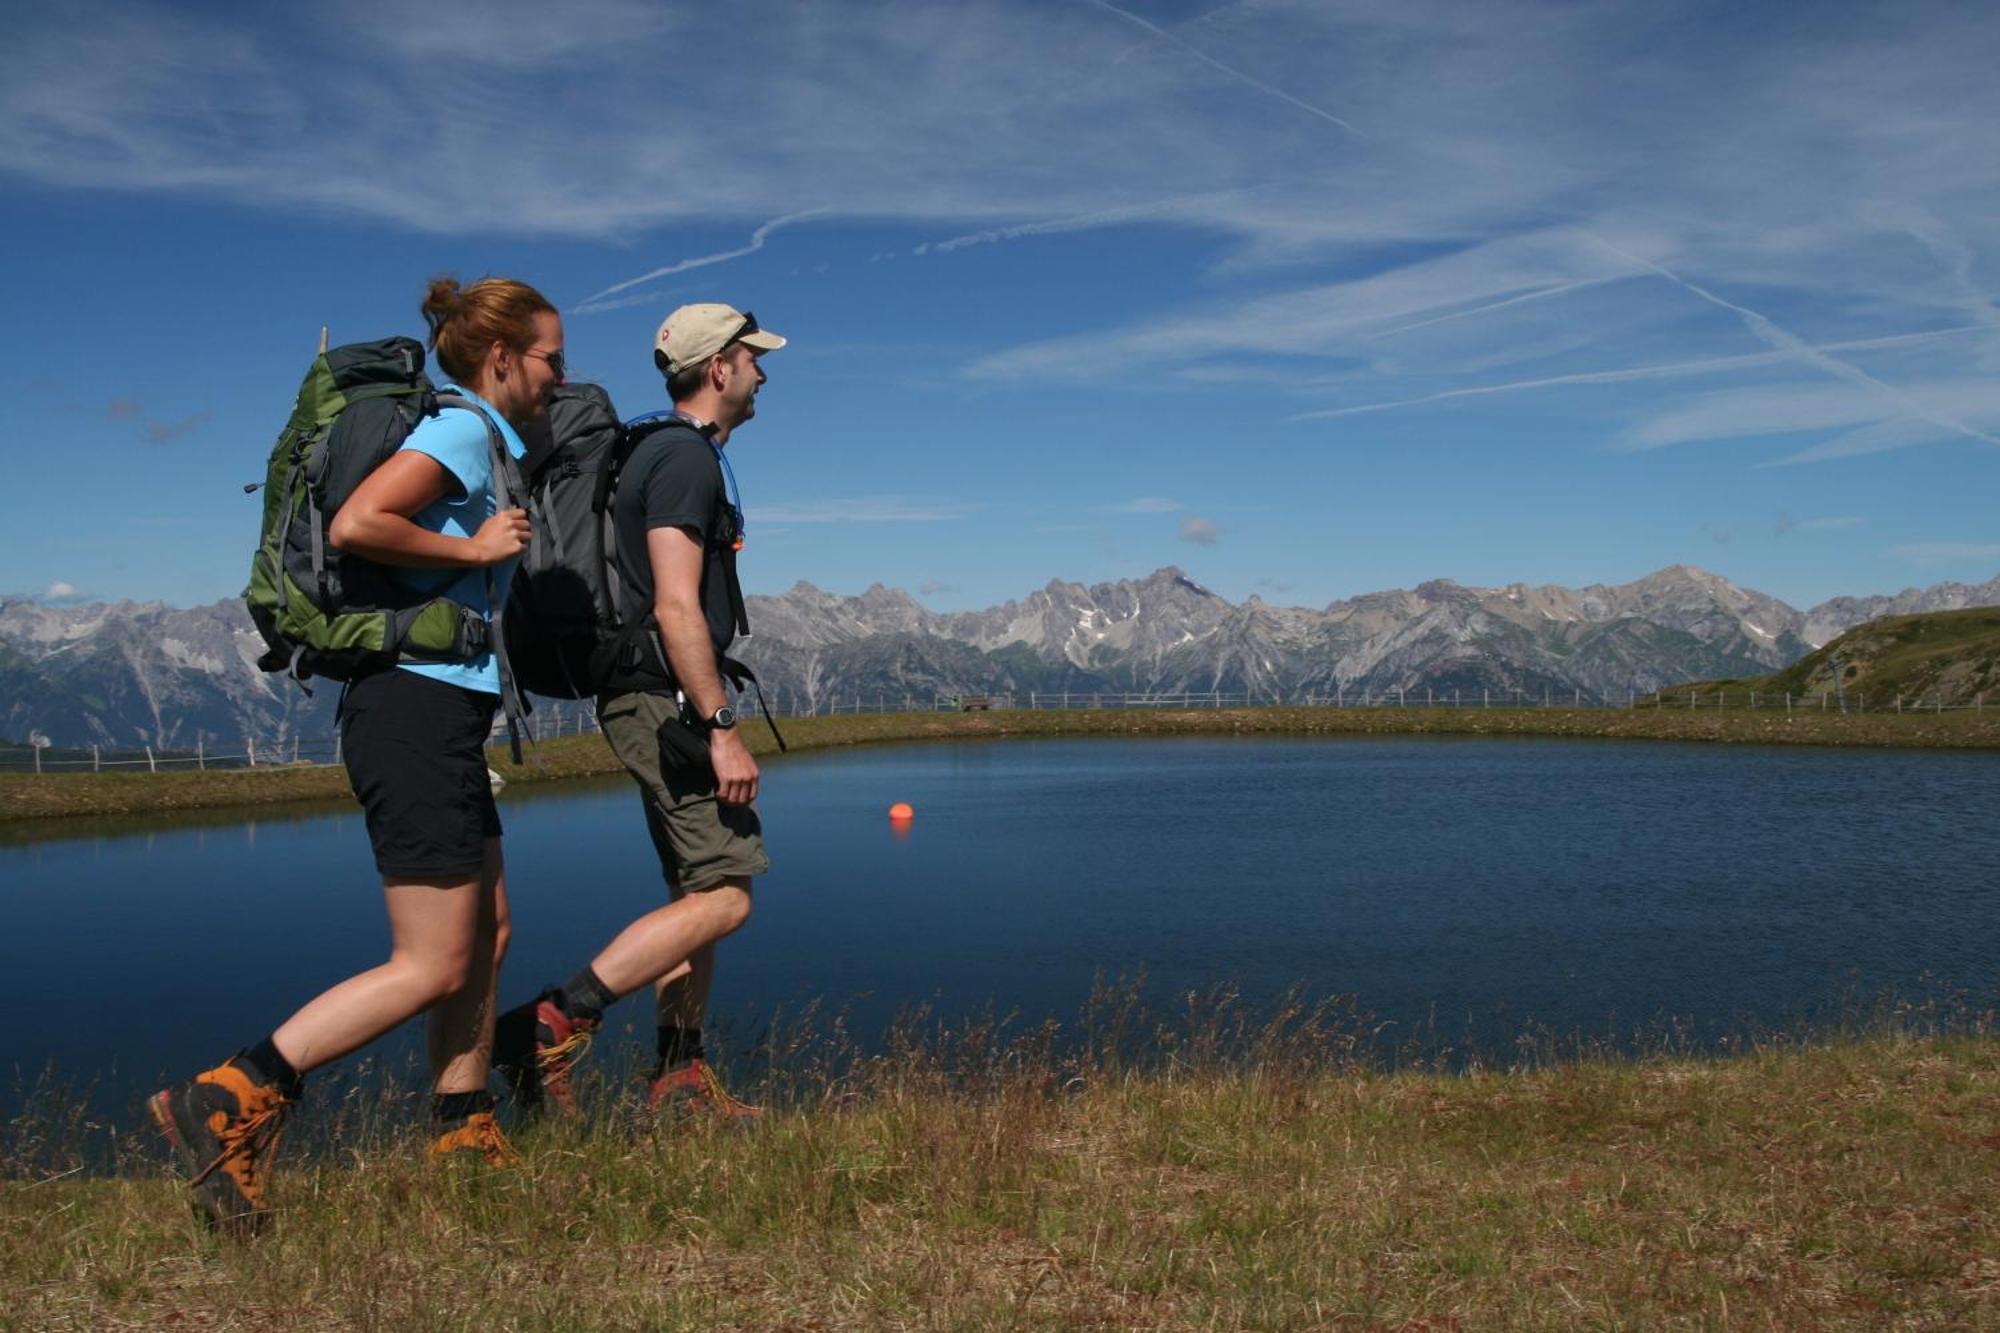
1206,1171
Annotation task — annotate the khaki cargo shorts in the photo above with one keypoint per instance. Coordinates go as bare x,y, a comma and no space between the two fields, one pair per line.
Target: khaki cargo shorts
701,841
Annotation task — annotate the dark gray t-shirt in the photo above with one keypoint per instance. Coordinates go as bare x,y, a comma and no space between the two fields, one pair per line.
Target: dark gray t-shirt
673,480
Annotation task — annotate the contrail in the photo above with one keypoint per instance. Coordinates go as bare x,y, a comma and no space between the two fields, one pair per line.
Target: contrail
1957,257
1230,70
1539,294
1764,330
1078,222
591,304
1638,373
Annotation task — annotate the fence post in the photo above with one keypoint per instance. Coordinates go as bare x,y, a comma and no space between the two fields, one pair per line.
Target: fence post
295,747
336,747
1399,696
250,744
151,767
200,753
1788,703
38,759
1486,697
93,757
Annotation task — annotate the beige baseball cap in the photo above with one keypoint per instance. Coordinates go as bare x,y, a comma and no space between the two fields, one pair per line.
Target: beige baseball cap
694,333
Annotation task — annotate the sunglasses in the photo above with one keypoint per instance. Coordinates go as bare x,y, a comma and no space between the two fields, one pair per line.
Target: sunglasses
557,366
749,327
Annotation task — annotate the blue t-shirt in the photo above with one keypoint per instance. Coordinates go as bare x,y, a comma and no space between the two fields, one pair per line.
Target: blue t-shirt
457,439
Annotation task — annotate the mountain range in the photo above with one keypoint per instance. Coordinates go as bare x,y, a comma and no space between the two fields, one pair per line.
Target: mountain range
128,673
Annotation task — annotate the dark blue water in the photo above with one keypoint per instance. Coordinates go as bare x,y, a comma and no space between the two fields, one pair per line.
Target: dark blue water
1467,887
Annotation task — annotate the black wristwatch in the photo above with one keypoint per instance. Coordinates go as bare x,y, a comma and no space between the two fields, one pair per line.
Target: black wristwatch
722,719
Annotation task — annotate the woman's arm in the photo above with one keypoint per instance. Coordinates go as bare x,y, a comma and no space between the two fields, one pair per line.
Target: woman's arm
375,523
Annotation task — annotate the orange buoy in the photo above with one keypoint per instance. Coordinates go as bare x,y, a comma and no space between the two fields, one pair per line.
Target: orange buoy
901,811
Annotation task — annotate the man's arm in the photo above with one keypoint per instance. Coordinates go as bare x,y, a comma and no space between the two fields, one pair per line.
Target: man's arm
675,555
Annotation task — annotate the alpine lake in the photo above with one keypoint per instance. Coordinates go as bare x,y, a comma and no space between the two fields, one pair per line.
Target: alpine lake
1467,896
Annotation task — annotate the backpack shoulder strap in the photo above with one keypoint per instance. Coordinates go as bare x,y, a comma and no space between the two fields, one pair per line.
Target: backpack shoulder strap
509,492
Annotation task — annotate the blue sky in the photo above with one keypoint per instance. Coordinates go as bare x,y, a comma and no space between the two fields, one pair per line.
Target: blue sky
1309,299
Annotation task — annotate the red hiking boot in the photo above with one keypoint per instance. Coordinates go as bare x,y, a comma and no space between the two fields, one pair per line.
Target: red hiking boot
694,1088
536,1046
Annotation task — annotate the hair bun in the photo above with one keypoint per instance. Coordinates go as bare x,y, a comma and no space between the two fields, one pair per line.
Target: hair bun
442,300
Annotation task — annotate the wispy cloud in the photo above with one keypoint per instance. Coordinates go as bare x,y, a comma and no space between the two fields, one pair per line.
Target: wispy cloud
1200,531
1109,217
1870,419
1947,553
1784,525
157,430
861,509
164,432
1393,200
1714,365
1147,504
1783,340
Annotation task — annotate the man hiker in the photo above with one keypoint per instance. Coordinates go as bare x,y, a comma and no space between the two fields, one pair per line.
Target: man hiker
665,714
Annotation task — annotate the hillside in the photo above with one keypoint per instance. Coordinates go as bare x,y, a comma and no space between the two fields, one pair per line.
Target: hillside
1948,655
1949,659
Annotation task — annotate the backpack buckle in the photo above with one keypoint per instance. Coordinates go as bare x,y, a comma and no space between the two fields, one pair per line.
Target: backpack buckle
475,631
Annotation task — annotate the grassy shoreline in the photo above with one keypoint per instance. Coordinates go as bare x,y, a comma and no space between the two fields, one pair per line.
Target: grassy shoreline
1845,1185
28,801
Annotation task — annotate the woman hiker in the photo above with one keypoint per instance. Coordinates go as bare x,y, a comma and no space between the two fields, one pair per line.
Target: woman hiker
414,738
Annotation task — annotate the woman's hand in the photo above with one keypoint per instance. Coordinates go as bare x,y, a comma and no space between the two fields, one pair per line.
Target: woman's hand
502,537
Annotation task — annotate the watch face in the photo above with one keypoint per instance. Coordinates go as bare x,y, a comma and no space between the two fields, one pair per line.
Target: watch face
725,717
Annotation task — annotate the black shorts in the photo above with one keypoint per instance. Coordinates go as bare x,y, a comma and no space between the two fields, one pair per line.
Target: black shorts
416,757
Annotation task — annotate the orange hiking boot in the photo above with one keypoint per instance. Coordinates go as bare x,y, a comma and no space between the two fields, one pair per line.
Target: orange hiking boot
478,1133
536,1046
695,1088
223,1127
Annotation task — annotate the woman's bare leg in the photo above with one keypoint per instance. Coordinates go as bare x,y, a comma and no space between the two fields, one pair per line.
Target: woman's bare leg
433,926
461,1026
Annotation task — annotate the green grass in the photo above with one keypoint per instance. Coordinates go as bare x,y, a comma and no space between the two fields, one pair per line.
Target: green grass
1267,1180
32,806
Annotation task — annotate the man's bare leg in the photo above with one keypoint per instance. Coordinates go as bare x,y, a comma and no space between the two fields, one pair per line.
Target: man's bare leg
658,943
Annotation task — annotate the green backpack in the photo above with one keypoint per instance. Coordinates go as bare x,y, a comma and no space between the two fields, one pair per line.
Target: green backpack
324,613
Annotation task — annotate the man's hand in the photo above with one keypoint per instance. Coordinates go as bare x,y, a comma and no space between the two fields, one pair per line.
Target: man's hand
501,537
735,770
